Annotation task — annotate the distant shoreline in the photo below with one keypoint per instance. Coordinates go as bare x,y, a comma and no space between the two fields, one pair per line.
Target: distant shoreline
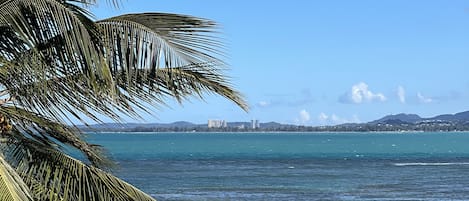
404,123
274,132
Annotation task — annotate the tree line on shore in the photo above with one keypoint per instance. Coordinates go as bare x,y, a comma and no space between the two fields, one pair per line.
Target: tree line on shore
365,127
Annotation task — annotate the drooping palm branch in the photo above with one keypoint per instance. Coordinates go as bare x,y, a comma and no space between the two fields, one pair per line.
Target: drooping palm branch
58,65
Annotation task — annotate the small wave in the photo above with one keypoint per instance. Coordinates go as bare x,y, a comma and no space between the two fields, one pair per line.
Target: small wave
430,164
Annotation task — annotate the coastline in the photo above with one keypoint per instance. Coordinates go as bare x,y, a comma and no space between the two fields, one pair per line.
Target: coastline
270,132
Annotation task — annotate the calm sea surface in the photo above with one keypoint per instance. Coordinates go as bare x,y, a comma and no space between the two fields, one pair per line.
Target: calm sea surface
293,166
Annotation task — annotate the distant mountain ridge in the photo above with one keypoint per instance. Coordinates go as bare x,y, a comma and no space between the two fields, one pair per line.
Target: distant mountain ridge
413,118
462,116
409,118
412,121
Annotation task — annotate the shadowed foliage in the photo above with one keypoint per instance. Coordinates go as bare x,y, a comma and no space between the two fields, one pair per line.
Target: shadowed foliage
59,65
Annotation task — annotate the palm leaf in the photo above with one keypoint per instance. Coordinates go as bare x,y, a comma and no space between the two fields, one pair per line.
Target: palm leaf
59,175
39,22
55,62
54,43
186,81
144,47
53,97
115,3
35,126
12,187
173,40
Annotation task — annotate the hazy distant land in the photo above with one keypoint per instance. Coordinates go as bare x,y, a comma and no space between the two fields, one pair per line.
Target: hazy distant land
398,122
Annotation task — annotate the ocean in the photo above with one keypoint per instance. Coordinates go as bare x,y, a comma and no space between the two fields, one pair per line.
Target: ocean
293,166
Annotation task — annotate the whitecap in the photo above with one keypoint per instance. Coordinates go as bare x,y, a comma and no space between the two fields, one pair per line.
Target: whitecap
430,164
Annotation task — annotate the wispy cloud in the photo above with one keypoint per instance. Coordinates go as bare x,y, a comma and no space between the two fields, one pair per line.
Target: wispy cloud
361,94
423,99
305,97
263,103
323,117
401,94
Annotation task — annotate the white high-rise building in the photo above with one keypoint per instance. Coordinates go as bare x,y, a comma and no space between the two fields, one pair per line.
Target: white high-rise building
215,123
255,124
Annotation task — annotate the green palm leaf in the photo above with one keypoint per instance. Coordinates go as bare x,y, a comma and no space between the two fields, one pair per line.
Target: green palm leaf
184,82
177,39
12,187
40,22
35,126
59,175
143,50
57,66
45,40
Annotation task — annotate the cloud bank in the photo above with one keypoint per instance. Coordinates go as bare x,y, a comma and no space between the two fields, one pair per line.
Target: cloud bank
361,94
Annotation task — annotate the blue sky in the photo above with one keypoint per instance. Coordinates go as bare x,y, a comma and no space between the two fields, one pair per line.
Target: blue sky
328,62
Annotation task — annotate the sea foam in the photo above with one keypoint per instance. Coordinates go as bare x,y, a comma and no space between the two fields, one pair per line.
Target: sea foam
430,164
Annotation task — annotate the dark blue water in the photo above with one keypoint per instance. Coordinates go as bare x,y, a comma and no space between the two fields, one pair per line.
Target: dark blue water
293,166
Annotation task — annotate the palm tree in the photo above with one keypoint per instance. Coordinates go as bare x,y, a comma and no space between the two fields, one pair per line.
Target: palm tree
58,66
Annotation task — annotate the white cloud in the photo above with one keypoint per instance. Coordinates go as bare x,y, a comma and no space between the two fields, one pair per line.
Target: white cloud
424,99
333,119
323,117
263,103
401,94
304,116
360,94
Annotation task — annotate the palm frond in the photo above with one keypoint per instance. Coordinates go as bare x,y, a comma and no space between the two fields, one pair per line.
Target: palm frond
177,39
115,3
86,18
143,47
57,97
45,40
60,175
68,96
185,82
12,187
39,22
57,64
36,126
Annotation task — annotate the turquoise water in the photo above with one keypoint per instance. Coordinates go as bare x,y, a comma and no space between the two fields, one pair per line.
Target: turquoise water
293,166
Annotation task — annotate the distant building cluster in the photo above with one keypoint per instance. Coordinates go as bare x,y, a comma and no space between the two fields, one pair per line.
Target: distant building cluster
255,124
214,123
